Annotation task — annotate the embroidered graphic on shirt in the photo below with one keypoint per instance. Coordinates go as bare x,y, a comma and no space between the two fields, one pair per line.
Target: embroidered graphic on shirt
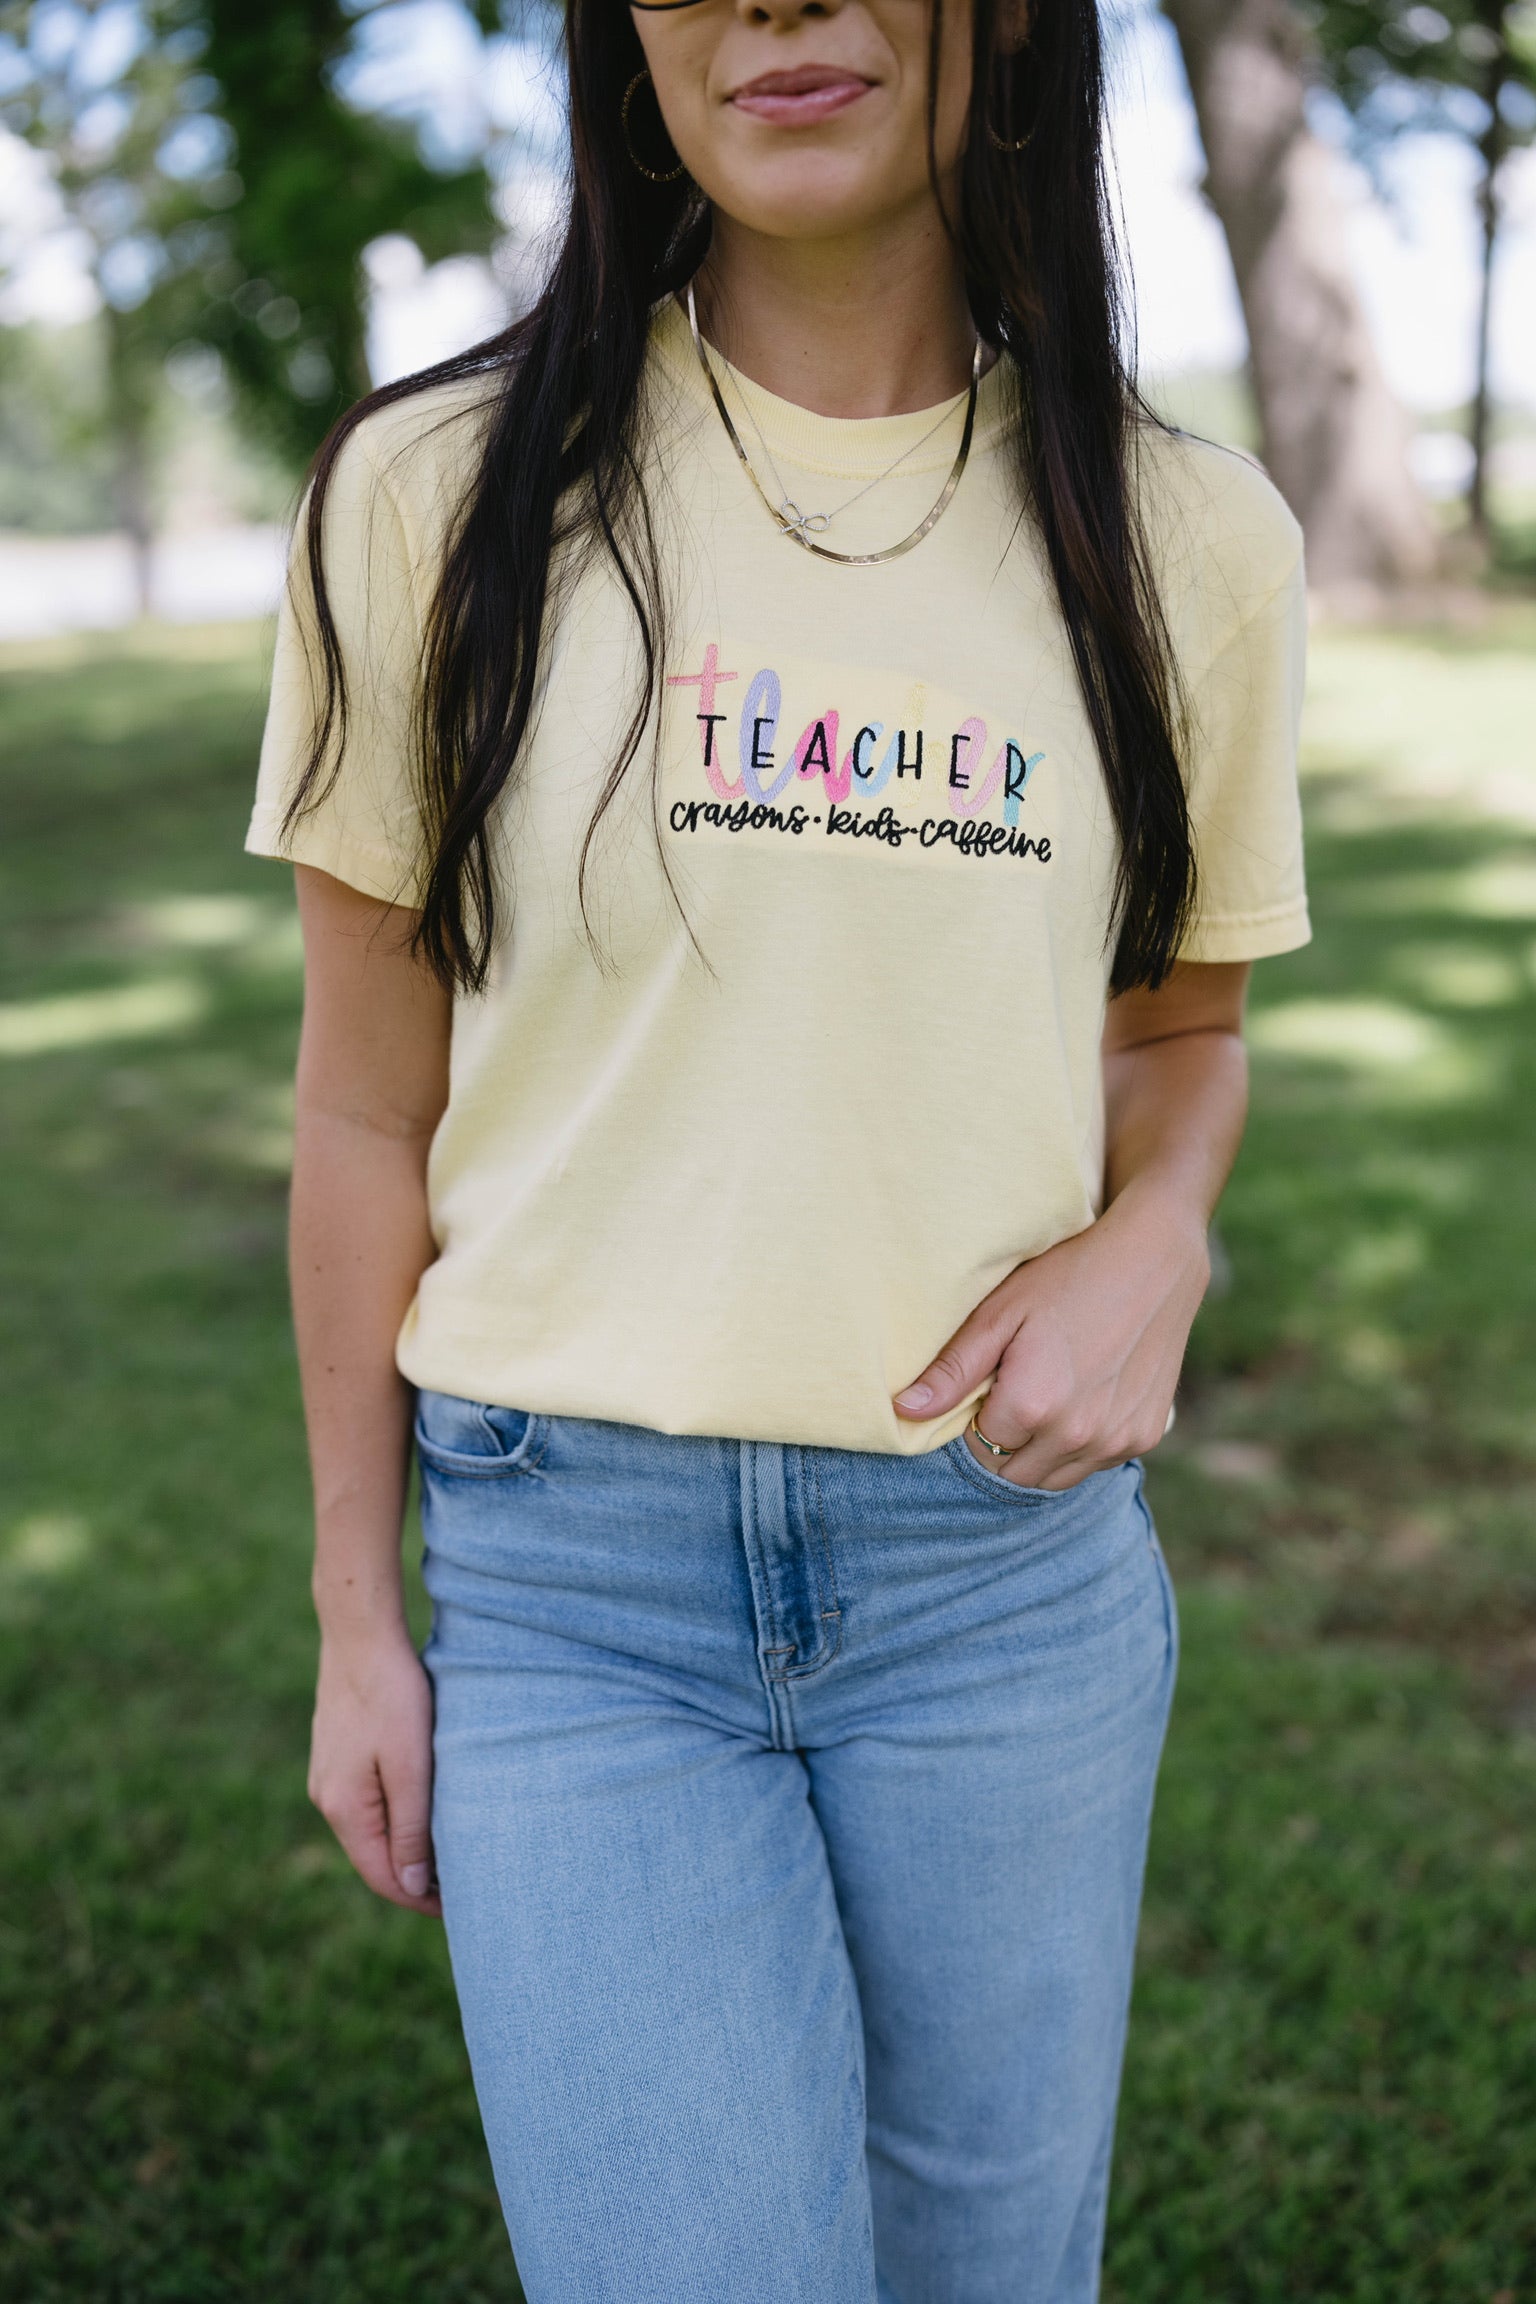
813,751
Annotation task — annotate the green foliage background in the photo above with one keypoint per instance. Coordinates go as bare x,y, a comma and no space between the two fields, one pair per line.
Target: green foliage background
55,457
230,200
320,181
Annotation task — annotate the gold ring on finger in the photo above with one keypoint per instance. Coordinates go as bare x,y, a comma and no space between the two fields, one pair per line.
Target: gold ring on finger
992,1447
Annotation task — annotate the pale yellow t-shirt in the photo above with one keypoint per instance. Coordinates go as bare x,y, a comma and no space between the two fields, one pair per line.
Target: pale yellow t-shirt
747,1183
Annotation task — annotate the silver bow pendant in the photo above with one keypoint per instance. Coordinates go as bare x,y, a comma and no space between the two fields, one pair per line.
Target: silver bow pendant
794,522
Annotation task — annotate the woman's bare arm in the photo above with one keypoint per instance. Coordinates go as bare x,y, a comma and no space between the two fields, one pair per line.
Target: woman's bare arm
1084,1344
372,1084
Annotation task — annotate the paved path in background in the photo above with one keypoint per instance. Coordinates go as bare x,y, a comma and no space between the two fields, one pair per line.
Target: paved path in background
52,584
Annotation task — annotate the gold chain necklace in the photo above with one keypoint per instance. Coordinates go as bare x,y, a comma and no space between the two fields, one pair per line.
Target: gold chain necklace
817,523
789,519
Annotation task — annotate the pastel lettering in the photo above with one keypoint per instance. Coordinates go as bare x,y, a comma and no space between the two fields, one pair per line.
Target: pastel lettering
972,734
706,680
760,710
1016,775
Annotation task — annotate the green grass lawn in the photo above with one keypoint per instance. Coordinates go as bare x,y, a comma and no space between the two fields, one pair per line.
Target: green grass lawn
230,2074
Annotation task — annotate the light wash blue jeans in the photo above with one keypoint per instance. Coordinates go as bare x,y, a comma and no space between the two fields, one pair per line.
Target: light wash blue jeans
790,1814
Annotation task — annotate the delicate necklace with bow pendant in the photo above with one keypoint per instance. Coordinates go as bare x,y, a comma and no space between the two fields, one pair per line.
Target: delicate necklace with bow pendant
800,527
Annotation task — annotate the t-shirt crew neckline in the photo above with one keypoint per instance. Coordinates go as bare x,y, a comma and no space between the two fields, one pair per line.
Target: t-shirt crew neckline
843,447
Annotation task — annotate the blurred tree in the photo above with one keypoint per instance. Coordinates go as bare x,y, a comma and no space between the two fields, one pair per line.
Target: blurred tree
105,89
1468,66
56,475
319,182
1334,439
224,192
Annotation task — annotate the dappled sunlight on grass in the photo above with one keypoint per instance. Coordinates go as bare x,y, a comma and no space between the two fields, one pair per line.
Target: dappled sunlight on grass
1349,1502
198,923
258,1133
1361,1035
260,931
254,935
44,1544
1449,975
85,1019
1417,727
1503,888
1395,1053
1378,1259
230,2073
1388,1164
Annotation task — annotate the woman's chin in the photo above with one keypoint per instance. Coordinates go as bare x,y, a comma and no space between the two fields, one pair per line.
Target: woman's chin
804,195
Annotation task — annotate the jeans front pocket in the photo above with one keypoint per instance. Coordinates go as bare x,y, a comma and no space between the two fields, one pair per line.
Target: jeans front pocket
958,1456
475,1439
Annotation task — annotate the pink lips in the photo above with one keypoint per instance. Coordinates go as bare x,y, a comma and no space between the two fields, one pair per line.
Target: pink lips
799,99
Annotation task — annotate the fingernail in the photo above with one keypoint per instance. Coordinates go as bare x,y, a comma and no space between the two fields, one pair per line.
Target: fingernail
416,1879
915,1396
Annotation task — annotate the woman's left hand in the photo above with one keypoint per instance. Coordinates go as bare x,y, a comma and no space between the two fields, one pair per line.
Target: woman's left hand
1083,1345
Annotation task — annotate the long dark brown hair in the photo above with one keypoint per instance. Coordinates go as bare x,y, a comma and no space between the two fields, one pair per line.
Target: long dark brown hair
560,468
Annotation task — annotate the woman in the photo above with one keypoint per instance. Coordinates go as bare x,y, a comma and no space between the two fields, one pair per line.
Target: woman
788,768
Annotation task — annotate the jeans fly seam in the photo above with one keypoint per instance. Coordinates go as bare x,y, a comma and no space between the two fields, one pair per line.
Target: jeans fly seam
830,1591
764,1608
783,1712
775,1645
832,1616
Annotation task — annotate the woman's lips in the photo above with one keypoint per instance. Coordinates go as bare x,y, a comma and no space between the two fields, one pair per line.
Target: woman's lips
802,98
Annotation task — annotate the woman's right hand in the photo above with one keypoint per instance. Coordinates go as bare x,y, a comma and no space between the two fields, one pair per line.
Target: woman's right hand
370,1767
372,1086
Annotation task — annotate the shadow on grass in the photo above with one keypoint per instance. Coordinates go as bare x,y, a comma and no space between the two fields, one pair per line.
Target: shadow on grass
233,2075
230,2073
1330,2092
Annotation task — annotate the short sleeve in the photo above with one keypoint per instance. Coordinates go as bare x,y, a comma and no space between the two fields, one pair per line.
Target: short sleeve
365,828
1245,807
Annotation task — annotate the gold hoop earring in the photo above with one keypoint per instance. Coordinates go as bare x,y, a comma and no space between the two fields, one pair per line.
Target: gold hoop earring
1005,85
635,160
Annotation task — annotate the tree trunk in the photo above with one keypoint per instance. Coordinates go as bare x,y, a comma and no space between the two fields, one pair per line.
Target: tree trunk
1492,146
1488,217
1335,441
128,415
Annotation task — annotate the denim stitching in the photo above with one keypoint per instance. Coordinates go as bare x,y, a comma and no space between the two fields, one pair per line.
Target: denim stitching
961,1462
1164,1579
830,1592
774,1692
523,1460
774,1626
833,1615
772,1673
